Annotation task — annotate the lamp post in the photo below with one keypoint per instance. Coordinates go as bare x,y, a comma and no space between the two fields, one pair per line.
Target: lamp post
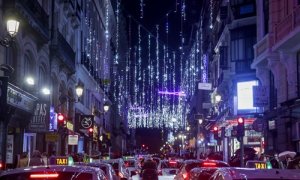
12,26
106,107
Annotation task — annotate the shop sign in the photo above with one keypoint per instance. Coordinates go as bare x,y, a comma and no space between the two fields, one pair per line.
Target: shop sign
204,86
70,126
260,96
86,122
3,90
53,119
9,149
51,137
72,139
18,98
40,119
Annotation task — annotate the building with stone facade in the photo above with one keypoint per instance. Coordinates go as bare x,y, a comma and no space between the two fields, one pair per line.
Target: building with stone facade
277,66
60,44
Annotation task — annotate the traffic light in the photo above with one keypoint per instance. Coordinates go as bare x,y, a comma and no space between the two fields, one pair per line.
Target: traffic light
241,127
90,132
215,132
61,120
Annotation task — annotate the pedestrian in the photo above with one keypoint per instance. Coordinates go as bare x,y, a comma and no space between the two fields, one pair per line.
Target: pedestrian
23,161
45,158
36,159
52,158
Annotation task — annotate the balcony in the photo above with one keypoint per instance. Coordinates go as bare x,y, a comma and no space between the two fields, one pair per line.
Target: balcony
64,51
33,13
262,49
287,31
85,61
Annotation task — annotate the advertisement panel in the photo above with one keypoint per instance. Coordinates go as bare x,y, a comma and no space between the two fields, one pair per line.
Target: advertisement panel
245,95
40,120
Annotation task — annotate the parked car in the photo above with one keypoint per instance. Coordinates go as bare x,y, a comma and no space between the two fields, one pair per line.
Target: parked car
234,173
54,172
119,167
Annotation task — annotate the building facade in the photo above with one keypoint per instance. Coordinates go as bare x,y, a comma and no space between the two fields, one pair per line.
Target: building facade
60,45
277,67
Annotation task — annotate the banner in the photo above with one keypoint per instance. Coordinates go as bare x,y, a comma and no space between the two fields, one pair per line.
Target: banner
260,96
40,119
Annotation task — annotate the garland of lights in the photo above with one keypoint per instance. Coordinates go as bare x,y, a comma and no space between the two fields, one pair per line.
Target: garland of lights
149,107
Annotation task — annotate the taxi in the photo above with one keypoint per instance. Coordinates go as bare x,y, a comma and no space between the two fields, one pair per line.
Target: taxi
55,172
255,174
119,167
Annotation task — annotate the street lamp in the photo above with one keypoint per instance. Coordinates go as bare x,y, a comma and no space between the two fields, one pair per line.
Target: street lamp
105,107
79,90
12,27
218,98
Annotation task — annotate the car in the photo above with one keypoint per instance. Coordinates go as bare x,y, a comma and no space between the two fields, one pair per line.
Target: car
184,170
131,165
170,167
106,168
234,173
206,169
188,165
119,167
58,172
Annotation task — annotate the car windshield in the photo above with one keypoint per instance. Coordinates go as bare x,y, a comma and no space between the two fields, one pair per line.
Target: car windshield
45,175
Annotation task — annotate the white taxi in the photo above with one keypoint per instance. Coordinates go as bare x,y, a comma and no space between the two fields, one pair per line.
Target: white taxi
54,172
255,174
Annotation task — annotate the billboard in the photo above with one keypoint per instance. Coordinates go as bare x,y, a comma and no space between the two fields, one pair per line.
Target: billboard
245,95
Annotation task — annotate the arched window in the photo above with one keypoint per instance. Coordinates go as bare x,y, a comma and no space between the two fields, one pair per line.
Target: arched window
42,81
28,66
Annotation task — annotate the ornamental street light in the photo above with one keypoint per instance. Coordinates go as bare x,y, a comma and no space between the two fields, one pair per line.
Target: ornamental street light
12,27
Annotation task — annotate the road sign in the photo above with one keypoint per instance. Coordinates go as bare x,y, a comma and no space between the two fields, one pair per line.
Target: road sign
204,86
260,96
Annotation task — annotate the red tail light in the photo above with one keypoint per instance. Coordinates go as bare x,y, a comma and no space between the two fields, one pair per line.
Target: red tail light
173,162
209,164
37,176
185,176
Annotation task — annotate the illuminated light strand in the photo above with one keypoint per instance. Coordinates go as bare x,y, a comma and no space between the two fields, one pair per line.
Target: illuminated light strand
141,9
180,93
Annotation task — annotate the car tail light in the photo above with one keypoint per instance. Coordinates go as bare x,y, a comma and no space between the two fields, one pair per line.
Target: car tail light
36,176
209,164
173,162
185,176
160,172
1,166
121,175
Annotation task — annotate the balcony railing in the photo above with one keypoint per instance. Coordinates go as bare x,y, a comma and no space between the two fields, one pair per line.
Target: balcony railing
35,15
263,46
85,61
287,25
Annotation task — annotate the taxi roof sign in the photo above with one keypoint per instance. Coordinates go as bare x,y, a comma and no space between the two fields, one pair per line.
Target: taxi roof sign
62,160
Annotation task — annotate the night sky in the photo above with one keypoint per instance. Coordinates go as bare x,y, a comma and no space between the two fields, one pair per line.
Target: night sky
155,13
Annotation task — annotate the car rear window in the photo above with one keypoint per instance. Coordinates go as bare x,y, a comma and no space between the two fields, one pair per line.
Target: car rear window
61,176
190,166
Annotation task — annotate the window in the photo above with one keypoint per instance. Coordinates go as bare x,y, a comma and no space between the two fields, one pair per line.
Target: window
298,73
273,92
266,16
242,41
28,66
42,77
